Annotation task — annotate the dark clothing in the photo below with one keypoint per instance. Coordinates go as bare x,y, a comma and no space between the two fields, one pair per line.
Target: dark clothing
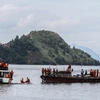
82,72
28,81
86,72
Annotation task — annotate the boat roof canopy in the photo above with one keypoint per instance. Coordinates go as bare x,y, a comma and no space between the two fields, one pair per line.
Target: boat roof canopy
4,70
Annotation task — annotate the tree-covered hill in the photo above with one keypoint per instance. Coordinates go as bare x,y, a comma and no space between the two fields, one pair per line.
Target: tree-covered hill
43,47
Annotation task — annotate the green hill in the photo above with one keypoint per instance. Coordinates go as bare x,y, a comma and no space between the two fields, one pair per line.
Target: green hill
43,47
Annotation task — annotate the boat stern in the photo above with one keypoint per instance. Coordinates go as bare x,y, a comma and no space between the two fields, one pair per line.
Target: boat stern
6,80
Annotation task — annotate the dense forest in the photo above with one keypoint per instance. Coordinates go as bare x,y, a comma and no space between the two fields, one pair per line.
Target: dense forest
43,47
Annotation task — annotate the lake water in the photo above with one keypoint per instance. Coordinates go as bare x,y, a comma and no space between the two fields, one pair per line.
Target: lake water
39,91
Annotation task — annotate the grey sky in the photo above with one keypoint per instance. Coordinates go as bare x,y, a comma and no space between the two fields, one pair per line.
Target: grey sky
76,21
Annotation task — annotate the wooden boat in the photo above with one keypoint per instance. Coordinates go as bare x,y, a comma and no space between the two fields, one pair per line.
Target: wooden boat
6,75
66,77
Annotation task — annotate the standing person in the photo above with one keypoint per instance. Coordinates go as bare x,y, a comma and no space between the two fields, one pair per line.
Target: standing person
43,71
11,74
85,72
56,71
53,70
82,72
97,72
69,69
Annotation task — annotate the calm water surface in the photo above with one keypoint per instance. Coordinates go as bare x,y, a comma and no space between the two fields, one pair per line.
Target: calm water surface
38,91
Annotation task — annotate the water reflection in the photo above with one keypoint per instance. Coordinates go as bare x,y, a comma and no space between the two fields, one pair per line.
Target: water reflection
5,89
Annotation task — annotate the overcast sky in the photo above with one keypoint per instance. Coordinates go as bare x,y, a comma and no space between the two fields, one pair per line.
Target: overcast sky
76,21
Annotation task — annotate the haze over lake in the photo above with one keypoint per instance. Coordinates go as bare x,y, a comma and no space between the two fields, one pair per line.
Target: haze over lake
39,91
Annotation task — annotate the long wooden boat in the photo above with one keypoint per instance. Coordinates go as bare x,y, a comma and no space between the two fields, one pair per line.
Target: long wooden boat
52,79
65,77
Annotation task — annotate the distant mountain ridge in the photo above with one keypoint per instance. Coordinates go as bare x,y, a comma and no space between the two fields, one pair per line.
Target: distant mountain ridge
88,50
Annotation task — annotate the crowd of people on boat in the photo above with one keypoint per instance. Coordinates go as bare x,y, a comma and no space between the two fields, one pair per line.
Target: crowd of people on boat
92,73
49,71
3,65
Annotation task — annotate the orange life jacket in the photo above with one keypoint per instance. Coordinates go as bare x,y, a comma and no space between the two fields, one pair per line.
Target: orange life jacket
91,71
42,70
7,76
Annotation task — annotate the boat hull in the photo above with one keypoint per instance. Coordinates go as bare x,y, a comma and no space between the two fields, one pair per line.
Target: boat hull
5,80
53,79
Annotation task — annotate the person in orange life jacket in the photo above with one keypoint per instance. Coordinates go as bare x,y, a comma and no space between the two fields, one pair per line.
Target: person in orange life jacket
91,72
69,69
1,64
7,76
27,80
97,72
5,66
43,71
